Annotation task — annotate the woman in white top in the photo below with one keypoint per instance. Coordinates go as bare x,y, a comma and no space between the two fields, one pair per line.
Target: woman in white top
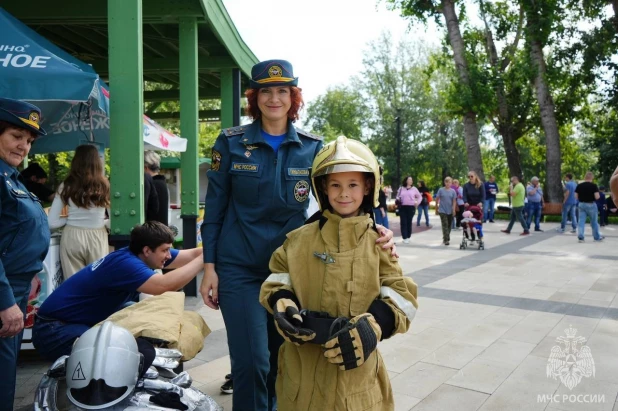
86,192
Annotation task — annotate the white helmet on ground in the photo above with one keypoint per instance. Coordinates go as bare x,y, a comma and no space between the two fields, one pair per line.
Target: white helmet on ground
103,367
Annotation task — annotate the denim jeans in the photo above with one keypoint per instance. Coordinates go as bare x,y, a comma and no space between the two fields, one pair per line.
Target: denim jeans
534,209
588,210
379,219
53,338
489,206
569,210
10,346
517,214
421,209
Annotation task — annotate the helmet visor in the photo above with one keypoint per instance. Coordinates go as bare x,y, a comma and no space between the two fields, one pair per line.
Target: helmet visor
97,393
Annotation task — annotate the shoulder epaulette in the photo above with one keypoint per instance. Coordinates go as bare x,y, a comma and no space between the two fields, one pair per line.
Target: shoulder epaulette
234,131
310,135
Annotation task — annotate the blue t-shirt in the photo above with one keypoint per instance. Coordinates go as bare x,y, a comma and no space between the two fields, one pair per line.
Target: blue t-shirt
99,290
571,186
490,190
273,141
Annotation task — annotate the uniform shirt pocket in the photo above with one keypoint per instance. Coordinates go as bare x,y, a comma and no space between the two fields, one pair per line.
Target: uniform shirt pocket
246,182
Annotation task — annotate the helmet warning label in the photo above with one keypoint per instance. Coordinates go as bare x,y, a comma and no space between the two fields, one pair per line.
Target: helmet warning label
78,374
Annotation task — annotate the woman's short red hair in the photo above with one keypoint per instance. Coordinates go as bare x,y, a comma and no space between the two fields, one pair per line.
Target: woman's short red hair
253,110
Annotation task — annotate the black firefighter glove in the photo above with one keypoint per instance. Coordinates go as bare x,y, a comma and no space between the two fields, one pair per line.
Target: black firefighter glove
351,346
287,318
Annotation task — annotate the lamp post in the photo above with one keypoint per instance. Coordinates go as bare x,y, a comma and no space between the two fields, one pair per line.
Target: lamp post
398,147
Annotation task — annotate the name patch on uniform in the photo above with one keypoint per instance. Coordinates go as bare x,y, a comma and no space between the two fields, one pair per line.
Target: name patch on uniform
298,172
253,168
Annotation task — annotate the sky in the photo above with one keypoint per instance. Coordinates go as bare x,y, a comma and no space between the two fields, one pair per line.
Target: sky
323,39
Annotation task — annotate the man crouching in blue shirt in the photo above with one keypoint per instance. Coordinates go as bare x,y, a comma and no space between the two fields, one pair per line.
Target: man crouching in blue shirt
109,284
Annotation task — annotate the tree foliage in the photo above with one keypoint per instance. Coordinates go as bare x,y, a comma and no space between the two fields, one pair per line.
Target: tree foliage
340,111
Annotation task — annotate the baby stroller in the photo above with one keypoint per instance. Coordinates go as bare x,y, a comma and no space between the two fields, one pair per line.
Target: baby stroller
472,224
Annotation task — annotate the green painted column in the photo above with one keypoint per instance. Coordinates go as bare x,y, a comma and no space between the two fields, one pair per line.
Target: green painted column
126,110
189,129
189,119
227,98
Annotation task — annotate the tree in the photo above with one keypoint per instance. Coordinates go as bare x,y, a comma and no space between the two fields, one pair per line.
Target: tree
511,91
341,111
393,83
421,10
540,15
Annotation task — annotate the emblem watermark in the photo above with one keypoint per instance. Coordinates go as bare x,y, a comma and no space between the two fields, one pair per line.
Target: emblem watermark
570,362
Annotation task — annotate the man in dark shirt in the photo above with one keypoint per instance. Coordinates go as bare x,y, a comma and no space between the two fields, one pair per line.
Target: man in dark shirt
587,193
491,188
34,180
152,167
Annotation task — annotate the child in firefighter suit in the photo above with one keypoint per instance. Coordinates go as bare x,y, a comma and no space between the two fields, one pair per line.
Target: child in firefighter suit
335,294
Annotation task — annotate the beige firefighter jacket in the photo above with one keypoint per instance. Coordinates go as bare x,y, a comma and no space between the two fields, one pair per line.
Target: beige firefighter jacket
361,272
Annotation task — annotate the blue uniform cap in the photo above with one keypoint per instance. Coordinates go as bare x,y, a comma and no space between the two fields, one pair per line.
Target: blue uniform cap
21,114
271,73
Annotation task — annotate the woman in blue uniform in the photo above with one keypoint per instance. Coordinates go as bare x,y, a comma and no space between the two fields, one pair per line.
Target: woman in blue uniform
24,235
258,192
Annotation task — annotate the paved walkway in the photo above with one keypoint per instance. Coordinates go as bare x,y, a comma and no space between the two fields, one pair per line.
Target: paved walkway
487,324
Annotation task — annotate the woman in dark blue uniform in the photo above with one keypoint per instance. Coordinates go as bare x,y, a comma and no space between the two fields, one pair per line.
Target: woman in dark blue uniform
24,235
258,192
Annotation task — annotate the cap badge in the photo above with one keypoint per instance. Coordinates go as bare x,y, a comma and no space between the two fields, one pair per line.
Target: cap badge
34,117
275,71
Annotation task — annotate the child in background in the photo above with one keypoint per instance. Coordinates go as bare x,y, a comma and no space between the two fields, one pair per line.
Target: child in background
446,204
472,223
335,294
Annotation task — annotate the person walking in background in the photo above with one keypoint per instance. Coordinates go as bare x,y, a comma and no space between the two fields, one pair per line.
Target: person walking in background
602,207
388,190
151,200
35,178
587,193
534,194
86,193
24,236
569,204
424,205
410,198
446,203
381,212
612,210
473,191
152,166
518,194
491,189
460,203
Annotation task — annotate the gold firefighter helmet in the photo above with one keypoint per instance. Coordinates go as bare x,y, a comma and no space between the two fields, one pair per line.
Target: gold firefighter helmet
340,156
